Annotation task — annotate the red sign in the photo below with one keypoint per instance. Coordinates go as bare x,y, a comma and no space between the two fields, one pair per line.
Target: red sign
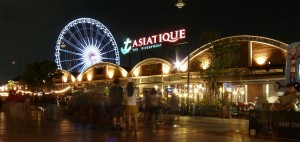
173,36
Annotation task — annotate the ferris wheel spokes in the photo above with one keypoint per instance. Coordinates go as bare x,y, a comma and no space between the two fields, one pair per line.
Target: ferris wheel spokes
85,32
71,44
109,58
71,60
104,46
81,63
80,35
91,32
84,42
101,40
106,52
75,38
83,67
67,51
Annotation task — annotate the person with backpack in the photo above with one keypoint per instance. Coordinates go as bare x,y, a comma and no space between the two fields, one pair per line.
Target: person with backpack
116,103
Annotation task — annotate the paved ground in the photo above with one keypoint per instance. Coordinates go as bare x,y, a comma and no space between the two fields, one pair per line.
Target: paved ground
183,129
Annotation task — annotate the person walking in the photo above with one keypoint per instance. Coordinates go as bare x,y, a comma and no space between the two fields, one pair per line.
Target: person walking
116,103
131,105
154,105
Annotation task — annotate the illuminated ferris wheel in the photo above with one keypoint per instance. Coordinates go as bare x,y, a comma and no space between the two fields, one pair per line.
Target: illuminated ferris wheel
84,42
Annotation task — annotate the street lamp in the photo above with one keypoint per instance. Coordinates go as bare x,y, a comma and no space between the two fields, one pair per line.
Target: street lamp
179,4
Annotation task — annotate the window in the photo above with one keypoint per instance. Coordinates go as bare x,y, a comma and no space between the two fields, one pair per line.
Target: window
99,71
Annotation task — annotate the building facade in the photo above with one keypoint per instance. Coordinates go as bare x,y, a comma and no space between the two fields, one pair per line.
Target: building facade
260,62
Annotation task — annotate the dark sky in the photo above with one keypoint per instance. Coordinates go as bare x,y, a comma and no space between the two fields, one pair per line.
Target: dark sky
29,28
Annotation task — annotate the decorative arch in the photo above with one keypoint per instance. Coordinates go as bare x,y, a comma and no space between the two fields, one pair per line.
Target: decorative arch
249,38
149,61
67,76
119,68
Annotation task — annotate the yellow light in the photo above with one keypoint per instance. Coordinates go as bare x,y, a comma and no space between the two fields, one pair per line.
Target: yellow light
234,92
63,90
110,74
79,78
156,87
166,69
195,90
229,90
175,90
4,94
261,60
73,78
124,73
183,68
65,79
136,72
199,86
205,64
185,95
24,92
177,64
89,76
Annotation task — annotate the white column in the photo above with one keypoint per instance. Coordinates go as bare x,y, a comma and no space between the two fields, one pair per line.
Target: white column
267,90
250,53
246,93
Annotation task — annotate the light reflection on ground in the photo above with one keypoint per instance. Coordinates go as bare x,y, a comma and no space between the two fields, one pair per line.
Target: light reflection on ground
188,129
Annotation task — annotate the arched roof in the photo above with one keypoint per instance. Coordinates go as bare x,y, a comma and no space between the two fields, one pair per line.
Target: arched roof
66,72
104,64
149,61
259,39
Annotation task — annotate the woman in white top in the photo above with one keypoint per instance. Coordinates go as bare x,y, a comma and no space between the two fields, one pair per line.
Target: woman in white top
131,106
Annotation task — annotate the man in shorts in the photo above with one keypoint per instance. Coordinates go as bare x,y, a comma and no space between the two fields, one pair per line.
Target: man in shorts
116,103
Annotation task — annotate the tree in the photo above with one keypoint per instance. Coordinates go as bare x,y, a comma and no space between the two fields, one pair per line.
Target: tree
39,76
218,58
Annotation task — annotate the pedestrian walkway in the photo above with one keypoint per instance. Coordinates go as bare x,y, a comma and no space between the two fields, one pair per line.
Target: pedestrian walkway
190,129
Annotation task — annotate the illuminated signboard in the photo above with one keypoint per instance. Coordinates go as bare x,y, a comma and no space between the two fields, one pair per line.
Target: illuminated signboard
153,41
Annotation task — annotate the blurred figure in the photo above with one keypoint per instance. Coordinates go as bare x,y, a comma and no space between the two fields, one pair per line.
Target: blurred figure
261,103
116,103
14,106
49,103
131,105
154,105
289,101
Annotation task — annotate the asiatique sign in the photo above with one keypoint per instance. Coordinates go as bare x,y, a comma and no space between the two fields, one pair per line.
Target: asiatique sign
153,41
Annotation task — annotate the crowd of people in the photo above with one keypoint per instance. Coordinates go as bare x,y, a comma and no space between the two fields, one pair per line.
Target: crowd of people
123,106
120,98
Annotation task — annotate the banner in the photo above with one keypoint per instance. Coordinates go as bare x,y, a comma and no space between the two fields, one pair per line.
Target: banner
292,63
274,124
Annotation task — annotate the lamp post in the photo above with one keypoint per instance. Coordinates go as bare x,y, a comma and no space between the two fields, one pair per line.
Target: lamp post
180,4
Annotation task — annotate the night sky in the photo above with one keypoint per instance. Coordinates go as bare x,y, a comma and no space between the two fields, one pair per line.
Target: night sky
29,28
